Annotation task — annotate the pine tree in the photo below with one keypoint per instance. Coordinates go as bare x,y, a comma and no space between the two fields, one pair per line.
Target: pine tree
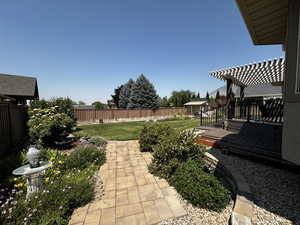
125,94
218,95
198,95
143,95
116,96
207,96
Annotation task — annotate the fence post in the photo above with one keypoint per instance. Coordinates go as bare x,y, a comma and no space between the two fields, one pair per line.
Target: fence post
216,114
95,115
201,119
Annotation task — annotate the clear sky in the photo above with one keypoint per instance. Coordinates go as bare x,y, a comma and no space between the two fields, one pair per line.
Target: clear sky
85,48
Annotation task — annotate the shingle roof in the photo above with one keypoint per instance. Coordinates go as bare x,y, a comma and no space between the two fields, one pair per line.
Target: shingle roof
260,90
14,85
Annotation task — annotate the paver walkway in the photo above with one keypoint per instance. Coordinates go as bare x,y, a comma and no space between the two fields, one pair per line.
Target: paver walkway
132,195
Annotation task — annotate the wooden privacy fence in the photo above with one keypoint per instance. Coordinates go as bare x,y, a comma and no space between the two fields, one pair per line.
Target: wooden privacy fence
115,114
13,119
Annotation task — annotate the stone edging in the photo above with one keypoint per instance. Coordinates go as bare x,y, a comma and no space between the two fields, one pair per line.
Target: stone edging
243,206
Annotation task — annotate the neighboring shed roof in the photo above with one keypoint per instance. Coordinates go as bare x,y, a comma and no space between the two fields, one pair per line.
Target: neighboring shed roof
195,103
270,71
18,86
84,107
266,20
261,90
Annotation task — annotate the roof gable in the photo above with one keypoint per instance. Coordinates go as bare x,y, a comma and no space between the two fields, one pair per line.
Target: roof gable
18,86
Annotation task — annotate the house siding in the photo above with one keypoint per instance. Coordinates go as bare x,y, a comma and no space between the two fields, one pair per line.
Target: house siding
291,126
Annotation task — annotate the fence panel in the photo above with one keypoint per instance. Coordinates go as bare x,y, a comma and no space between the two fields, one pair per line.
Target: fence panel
5,140
115,114
13,119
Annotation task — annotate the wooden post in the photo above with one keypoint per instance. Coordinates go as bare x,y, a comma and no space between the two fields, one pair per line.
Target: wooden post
229,99
242,95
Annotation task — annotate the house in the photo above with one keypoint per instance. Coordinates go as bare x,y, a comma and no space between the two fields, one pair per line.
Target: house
273,22
194,107
260,91
18,89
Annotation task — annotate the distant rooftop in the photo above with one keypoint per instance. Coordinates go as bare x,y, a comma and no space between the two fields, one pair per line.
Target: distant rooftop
261,90
195,103
84,107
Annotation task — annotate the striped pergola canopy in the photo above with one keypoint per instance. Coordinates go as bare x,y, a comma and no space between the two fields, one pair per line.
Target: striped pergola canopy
271,71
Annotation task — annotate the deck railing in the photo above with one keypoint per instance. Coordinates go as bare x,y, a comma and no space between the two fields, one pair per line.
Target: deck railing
270,110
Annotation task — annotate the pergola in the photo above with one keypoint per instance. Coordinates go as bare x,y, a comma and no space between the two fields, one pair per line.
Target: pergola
270,71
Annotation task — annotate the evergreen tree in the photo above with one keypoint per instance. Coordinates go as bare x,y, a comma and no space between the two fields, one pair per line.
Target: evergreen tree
218,95
116,96
125,94
207,96
198,95
143,95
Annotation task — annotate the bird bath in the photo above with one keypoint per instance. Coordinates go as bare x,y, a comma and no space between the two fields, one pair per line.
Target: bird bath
33,171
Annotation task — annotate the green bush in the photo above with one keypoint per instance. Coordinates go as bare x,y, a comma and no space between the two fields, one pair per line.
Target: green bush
172,150
151,134
47,126
65,105
83,156
98,141
200,188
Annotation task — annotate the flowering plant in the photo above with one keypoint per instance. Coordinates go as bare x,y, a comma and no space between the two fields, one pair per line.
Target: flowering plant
68,185
46,126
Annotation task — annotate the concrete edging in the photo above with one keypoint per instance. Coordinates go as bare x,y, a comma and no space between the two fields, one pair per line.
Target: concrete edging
243,206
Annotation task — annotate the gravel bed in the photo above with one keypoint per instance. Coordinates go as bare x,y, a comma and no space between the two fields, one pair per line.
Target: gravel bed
276,191
198,216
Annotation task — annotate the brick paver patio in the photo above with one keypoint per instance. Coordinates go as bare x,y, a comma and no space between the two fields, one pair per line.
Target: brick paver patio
132,195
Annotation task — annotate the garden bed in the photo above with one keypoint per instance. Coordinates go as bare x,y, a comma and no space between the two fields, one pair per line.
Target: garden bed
69,184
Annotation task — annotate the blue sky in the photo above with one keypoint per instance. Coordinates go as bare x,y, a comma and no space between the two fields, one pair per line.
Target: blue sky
84,49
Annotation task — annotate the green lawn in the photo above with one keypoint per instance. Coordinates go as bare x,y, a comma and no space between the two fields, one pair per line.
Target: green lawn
128,130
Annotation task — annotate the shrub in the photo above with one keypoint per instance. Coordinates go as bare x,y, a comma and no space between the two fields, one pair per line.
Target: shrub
83,156
173,150
98,141
151,134
200,188
47,126
65,105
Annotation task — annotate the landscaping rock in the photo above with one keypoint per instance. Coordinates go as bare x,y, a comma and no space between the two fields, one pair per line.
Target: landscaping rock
276,191
199,216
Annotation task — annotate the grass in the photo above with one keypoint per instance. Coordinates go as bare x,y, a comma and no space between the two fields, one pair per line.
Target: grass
129,130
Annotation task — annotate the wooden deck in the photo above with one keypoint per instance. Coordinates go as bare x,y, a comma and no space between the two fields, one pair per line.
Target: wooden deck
258,140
